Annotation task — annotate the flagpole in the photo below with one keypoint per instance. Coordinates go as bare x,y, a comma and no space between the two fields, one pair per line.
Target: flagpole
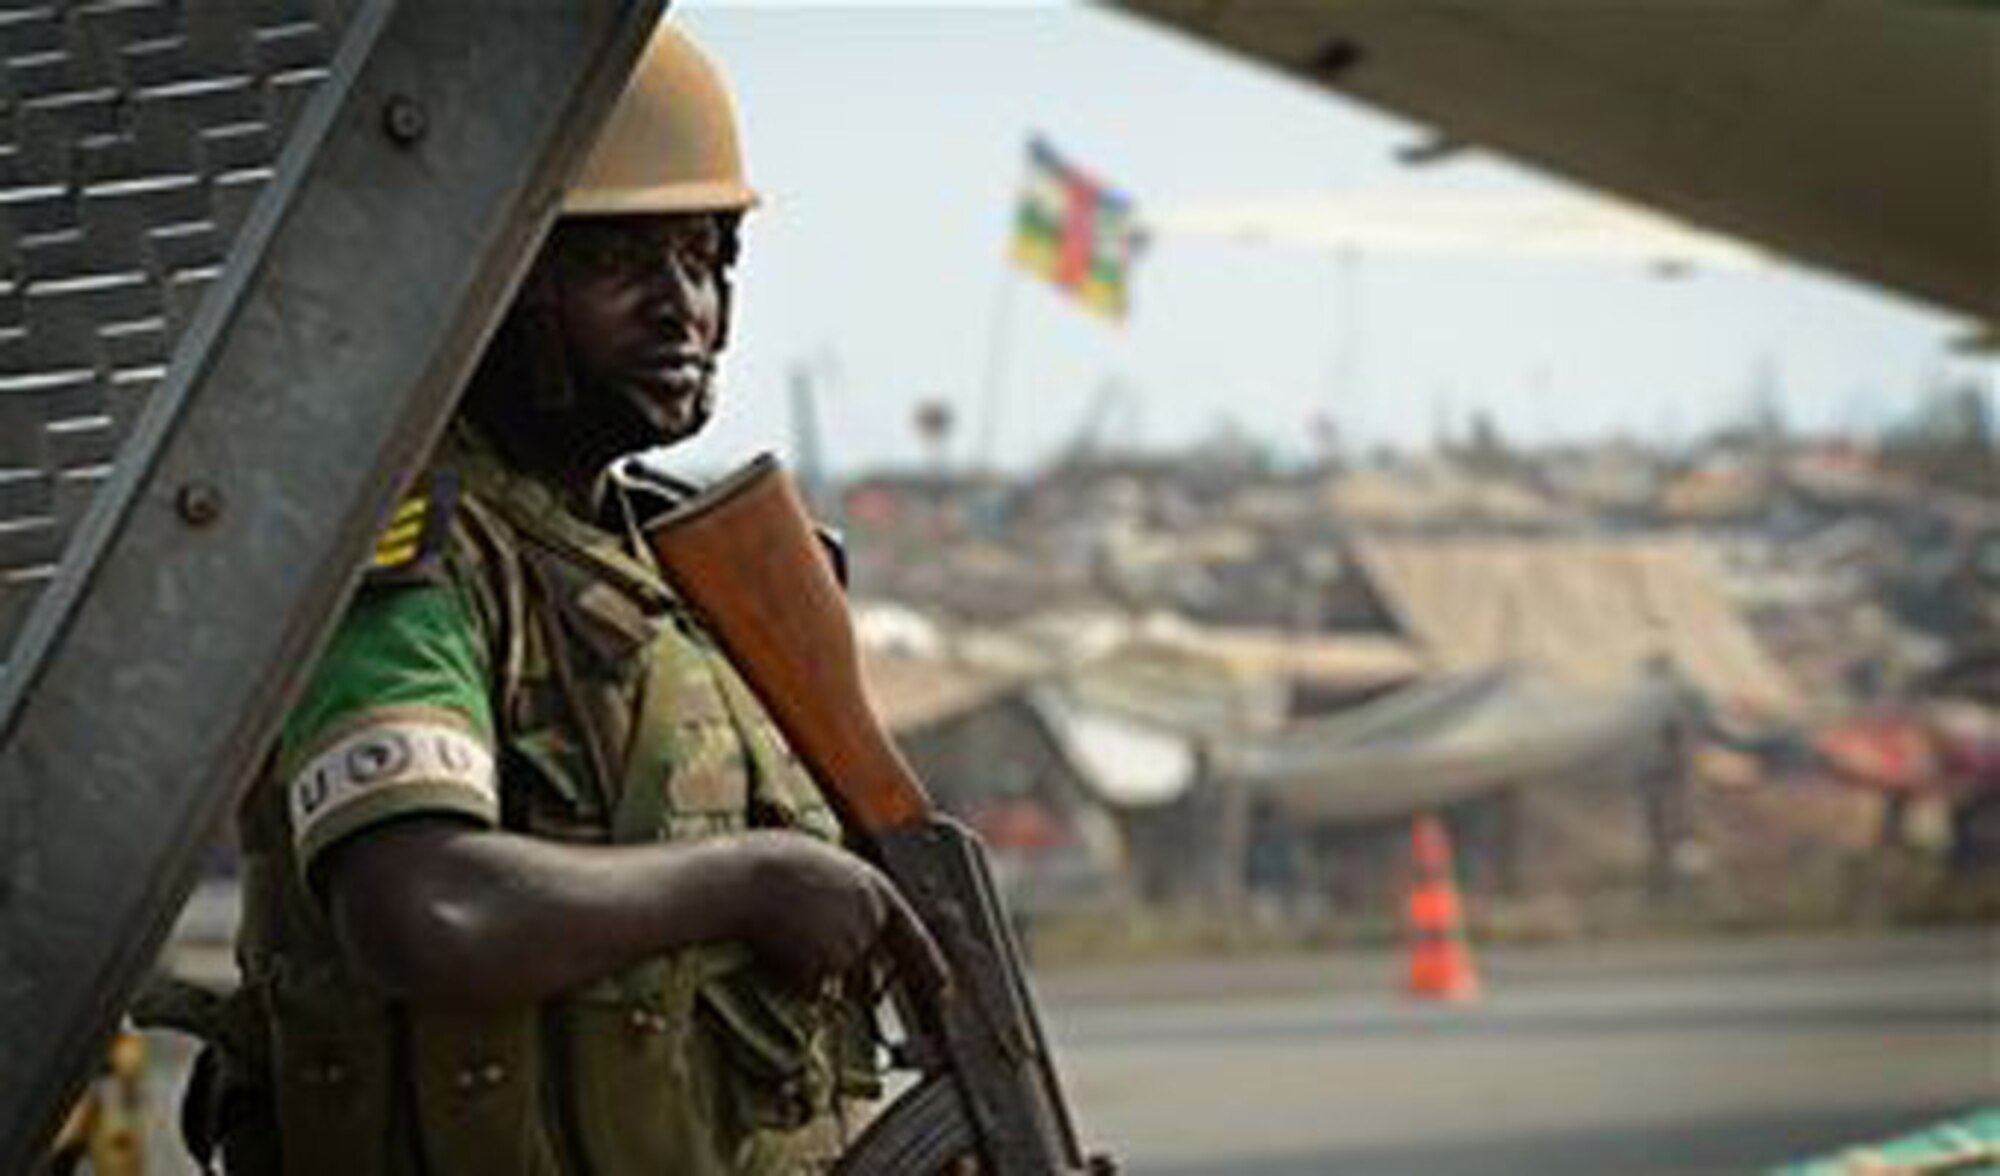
1347,339
999,343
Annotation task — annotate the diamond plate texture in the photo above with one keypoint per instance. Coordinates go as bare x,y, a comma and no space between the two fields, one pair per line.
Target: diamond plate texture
134,137
251,250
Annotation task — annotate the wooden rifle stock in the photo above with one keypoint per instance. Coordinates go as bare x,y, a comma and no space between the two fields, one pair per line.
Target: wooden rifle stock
744,554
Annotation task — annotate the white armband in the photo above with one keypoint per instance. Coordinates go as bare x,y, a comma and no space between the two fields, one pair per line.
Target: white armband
396,762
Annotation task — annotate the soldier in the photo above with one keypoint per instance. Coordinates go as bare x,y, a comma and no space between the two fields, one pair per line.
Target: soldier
533,885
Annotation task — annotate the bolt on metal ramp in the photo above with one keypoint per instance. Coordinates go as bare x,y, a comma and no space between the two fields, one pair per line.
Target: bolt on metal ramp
248,252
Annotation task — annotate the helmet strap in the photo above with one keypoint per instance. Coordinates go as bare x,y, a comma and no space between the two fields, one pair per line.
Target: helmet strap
731,224
551,385
726,293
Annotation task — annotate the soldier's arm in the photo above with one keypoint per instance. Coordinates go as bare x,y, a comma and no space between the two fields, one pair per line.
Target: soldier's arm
392,795
436,911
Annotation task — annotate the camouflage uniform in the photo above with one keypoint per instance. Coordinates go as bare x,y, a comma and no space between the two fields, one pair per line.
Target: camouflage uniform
510,665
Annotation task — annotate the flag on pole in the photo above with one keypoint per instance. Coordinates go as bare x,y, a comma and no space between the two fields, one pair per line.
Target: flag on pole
1075,232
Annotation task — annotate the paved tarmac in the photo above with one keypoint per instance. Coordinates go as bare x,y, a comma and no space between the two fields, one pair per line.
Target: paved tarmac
1683,1058
1637,1059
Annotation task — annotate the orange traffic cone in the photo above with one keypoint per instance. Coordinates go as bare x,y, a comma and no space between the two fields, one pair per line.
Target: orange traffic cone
1440,963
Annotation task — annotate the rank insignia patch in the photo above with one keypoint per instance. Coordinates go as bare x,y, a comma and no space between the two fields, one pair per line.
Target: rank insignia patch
408,547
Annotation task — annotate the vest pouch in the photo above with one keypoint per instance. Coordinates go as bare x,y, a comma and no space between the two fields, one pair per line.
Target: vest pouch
478,1085
227,1113
226,1106
332,1054
634,1078
777,1074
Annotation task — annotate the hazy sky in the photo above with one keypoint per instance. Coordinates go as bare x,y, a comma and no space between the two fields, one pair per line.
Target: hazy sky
889,144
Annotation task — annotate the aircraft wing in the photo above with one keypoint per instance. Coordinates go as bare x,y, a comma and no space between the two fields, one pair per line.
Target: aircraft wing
1861,136
1552,225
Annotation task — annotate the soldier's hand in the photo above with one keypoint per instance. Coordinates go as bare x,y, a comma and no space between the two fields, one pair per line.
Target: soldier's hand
814,911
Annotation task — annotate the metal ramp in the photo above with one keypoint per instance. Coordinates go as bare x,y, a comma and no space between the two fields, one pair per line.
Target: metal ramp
248,251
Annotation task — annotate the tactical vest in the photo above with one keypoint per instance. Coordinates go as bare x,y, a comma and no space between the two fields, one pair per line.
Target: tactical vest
689,1064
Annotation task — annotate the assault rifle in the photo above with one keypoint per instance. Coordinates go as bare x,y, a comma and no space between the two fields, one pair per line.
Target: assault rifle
744,555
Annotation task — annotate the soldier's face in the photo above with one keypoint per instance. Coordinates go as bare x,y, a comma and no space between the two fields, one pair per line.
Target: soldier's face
644,306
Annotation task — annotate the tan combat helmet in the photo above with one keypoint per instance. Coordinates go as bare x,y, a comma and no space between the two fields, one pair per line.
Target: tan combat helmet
670,143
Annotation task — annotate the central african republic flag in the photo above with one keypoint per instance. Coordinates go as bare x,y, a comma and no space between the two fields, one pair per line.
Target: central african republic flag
1073,231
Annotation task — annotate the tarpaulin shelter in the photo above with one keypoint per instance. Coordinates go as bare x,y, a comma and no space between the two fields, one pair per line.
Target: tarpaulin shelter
1588,612
1449,739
